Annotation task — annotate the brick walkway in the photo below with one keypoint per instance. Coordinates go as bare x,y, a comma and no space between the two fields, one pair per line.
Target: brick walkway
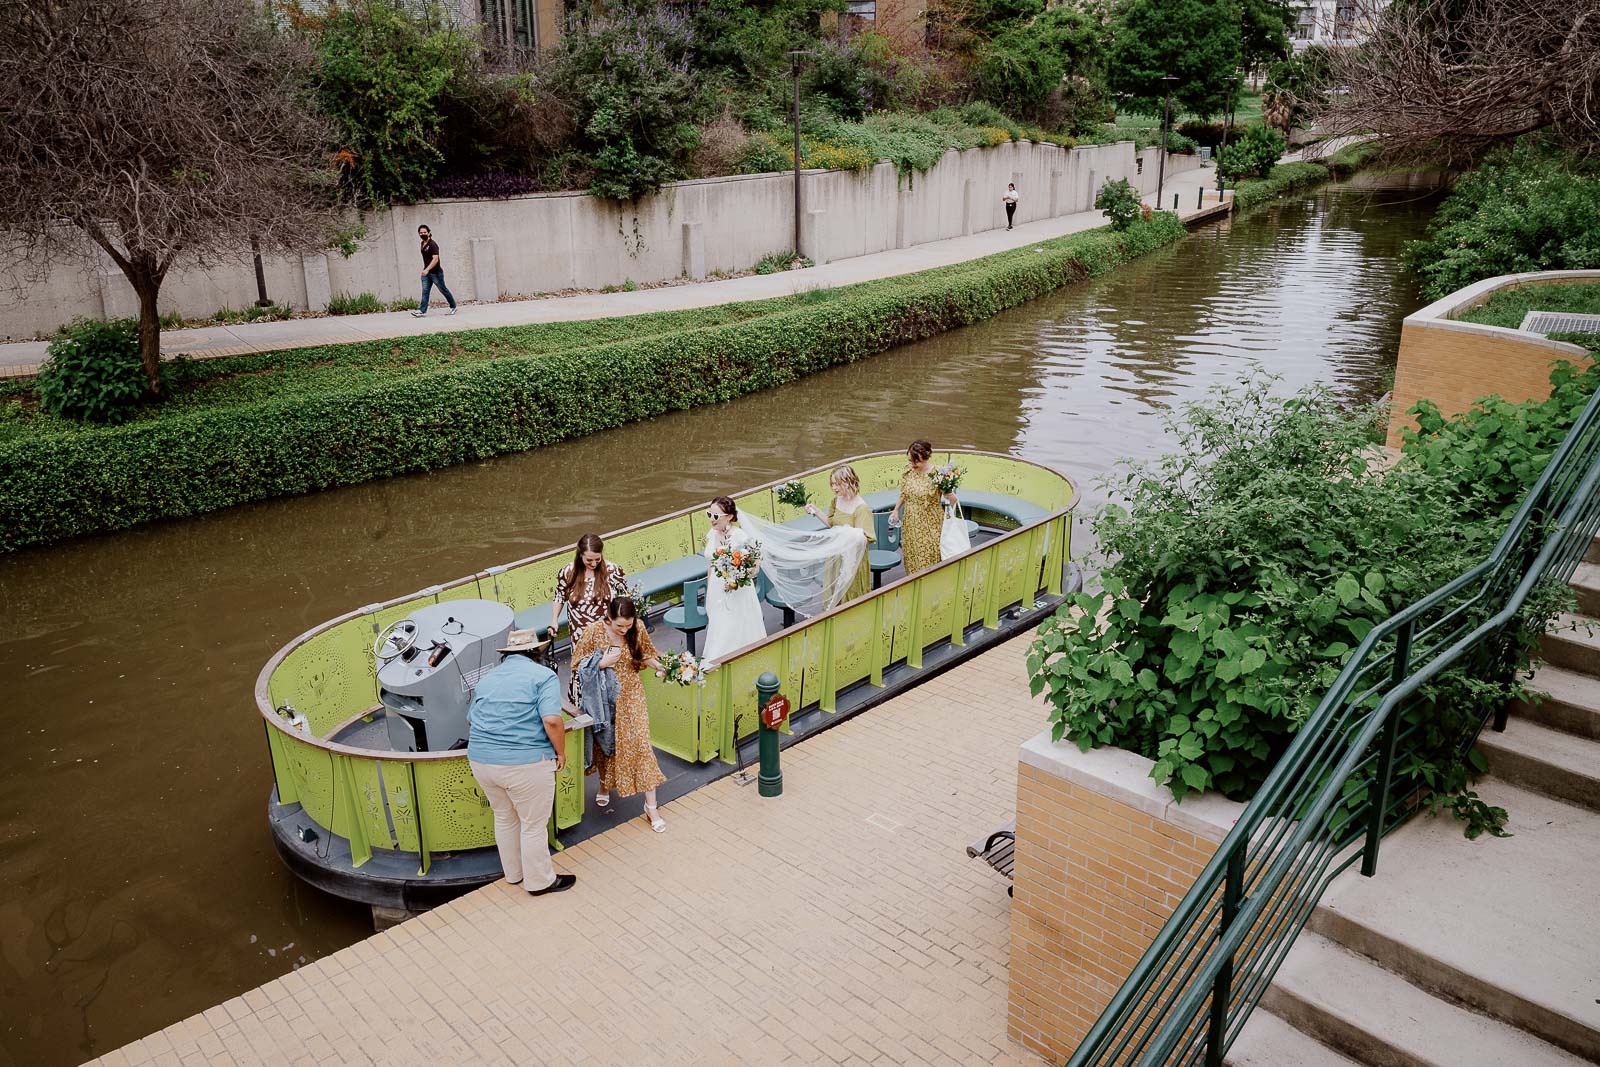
840,923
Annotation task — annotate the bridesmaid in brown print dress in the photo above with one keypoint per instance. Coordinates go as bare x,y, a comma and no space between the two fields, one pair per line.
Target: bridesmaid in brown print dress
632,767
919,511
584,587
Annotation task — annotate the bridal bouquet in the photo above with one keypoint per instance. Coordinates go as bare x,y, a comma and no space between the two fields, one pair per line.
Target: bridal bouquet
681,668
736,567
794,494
947,478
636,594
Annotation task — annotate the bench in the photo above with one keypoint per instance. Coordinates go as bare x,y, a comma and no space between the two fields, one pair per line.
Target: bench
663,578
997,850
1015,508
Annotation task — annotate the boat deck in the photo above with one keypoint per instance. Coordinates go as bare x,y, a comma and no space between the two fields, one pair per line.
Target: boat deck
683,775
840,923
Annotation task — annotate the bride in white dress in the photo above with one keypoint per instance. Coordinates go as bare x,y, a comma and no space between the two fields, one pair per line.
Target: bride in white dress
734,619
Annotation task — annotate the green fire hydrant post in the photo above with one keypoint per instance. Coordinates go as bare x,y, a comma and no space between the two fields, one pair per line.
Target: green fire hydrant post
770,781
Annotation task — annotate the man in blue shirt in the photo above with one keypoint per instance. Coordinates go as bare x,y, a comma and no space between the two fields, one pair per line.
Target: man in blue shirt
516,744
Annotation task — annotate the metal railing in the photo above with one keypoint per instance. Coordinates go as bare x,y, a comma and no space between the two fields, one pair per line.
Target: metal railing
1328,801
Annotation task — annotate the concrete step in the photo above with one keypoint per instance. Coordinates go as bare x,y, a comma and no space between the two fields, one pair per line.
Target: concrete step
1571,702
1507,926
1551,762
1268,1041
1349,1002
1585,582
1592,553
1569,643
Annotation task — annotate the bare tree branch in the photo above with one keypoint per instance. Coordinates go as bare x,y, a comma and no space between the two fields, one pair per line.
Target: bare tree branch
1445,80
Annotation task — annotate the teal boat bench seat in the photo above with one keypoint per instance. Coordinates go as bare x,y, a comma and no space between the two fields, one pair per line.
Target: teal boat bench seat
662,578
1015,508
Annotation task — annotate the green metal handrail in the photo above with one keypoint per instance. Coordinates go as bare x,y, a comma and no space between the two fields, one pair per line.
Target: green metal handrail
1327,802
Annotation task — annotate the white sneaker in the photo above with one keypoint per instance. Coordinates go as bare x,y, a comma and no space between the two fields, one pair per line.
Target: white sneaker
452,311
418,314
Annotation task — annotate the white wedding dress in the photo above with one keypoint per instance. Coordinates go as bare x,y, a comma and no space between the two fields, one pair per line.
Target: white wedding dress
734,619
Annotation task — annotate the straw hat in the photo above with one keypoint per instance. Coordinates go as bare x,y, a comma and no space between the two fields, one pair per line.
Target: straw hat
524,641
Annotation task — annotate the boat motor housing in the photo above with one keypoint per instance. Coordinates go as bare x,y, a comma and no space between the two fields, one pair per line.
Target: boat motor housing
427,690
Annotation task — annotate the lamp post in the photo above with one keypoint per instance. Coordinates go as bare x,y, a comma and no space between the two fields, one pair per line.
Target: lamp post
1166,117
1227,124
794,58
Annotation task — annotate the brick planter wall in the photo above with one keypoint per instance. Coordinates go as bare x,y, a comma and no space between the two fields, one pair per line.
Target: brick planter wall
1103,855
1453,363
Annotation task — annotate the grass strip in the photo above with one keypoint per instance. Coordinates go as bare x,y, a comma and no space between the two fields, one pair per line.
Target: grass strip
1508,306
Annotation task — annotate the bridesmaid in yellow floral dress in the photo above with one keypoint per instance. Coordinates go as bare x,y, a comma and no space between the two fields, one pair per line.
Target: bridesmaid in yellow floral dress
848,509
918,511
632,767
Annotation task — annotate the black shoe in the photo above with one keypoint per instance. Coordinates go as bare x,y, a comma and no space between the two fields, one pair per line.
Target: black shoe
563,881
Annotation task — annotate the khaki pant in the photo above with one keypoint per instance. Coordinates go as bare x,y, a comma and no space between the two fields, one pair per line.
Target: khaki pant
522,796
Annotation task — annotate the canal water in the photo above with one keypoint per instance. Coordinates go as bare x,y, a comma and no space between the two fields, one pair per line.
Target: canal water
138,883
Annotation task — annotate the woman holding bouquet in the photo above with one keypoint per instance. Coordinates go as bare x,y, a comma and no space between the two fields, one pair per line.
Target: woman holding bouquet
627,649
733,616
918,511
584,587
849,510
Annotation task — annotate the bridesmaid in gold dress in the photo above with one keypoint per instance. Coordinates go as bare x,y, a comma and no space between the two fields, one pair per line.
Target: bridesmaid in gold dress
848,509
918,511
632,768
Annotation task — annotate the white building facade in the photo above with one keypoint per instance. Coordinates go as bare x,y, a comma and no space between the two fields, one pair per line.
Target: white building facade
1333,22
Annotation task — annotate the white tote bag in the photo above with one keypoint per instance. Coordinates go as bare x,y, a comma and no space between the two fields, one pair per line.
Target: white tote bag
953,539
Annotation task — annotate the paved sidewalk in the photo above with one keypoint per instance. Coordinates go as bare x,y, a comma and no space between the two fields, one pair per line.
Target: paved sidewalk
840,923
24,357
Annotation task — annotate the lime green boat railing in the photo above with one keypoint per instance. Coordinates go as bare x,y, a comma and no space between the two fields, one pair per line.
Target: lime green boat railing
1332,796
428,802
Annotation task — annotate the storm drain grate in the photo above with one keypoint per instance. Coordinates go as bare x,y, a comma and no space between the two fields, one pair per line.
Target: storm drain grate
1549,322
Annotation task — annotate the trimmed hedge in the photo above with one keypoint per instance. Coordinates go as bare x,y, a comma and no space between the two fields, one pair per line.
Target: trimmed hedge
1285,178
55,485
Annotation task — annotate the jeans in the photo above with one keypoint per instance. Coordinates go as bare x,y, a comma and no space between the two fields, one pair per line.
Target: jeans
522,797
1011,211
431,279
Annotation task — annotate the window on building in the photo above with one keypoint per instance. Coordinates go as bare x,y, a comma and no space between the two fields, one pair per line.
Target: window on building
860,15
514,23
1344,20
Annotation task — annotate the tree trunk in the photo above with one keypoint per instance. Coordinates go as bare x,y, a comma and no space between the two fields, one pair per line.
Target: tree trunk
148,286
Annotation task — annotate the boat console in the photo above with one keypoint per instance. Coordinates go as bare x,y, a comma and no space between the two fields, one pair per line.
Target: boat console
428,664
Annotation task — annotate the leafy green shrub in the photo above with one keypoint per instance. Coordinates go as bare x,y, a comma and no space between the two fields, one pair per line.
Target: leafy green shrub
292,422
637,100
1243,570
384,73
1120,202
357,304
1253,155
93,371
1527,207
1180,144
1202,133
1286,177
1496,449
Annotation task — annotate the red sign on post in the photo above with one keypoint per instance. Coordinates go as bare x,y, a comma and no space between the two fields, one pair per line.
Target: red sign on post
775,711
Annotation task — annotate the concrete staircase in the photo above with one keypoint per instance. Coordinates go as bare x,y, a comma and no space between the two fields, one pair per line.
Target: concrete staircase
1469,953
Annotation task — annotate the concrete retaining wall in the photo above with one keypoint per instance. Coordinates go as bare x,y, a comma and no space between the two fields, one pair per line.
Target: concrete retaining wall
547,242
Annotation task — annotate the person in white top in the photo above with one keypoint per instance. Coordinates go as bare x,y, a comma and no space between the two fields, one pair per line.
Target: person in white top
1011,197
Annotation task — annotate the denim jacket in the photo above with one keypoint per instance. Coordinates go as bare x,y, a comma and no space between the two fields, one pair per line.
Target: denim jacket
598,688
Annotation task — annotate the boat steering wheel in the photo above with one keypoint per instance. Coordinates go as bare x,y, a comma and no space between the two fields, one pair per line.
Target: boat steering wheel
397,638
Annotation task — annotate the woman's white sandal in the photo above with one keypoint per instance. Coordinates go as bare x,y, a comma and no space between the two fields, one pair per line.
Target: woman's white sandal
602,800
657,823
